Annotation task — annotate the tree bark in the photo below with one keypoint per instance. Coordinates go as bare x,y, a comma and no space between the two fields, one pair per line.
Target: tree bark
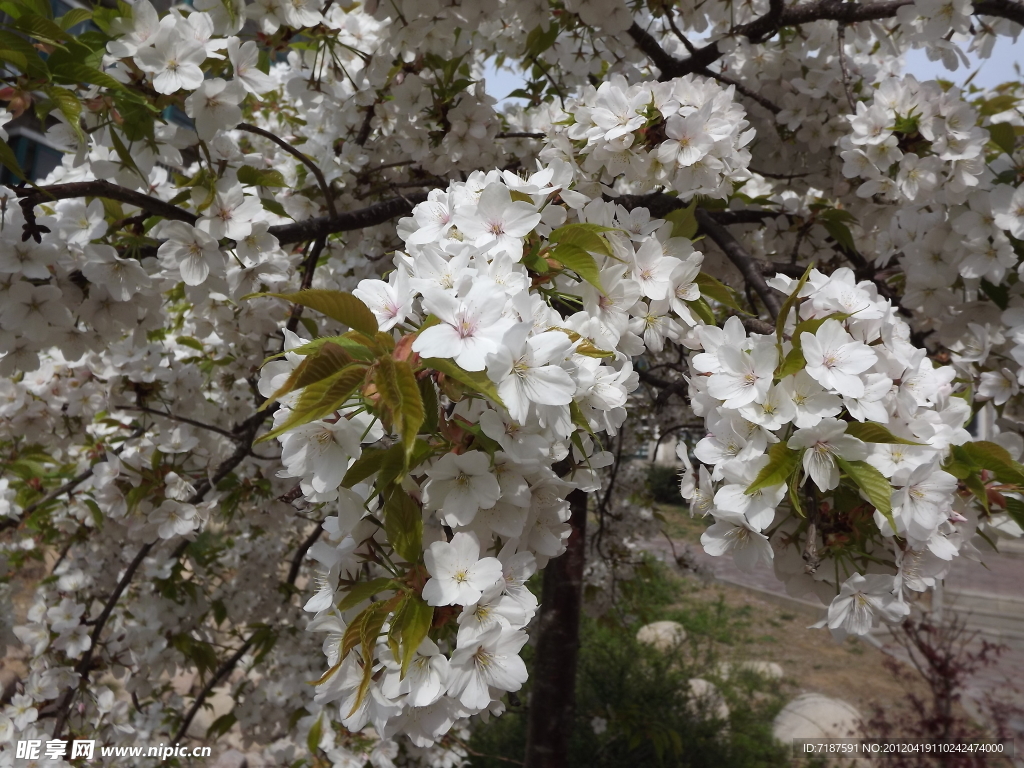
553,698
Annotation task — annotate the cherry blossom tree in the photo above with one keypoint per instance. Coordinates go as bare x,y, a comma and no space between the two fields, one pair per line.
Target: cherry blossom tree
314,356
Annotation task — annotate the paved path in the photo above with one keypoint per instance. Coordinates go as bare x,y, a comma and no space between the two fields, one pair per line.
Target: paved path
1001,578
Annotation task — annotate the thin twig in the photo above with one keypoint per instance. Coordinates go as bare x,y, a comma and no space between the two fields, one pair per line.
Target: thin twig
174,417
737,254
741,88
301,157
300,554
69,486
842,68
221,672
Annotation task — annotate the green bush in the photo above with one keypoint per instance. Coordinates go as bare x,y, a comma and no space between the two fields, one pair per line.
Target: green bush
663,484
643,695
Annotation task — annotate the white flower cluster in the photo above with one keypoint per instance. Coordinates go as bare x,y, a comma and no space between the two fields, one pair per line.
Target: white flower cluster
494,508
915,142
790,419
686,134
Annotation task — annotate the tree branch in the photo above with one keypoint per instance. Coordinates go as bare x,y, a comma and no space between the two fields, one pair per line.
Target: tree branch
222,671
660,204
780,16
30,198
747,265
249,428
182,419
69,486
301,157
771,106
321,226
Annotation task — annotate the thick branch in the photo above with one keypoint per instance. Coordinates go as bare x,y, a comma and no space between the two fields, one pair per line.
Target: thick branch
302,158
802,13
30,198
321,226
737,254
660,204
553,697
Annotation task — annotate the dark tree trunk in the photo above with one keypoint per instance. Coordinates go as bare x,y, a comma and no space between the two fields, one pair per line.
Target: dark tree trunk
553,697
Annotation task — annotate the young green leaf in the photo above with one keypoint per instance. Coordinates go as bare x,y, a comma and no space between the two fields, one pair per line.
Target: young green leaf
782,461
994,458
477,381
870,432
403,523
872,483
684,221
337,305
396,383
585,236
326,361
320,399
579,261
364,590
413,626
790,302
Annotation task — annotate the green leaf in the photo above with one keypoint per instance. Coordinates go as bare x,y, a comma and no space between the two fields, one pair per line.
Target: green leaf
1003,136
793,487
999,294
585,236
713,289
315,734
396,383
403,523
72,74
42,29
1015,509
430,407
873,484
977,487
474,380
68,104
870,432
782,461
73,18
320,399
997,104
326,361
579,261
364,590
20,52
364,631
256,177
274,207
994,458
345,341
10,161
369,462
540,39
793,363
138,118
221,725
684,221
703,310
412,626
337,305
124,155
790,302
